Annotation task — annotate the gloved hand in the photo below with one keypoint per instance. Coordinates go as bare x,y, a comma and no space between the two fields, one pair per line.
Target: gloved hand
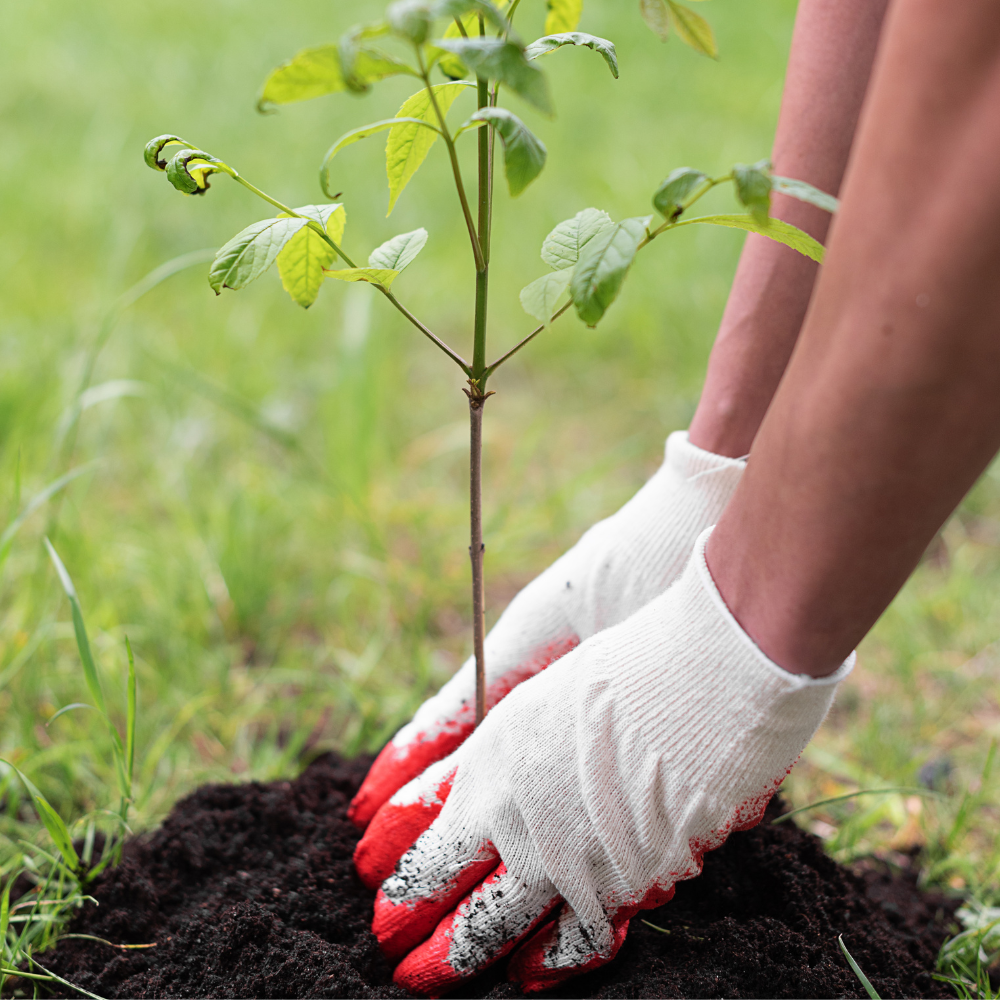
619,565
588,793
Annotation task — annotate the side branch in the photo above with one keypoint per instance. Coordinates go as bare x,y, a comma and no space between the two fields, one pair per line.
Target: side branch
477,250
527,340
427,332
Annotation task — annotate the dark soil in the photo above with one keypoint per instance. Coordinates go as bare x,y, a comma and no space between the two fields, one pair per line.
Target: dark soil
248,891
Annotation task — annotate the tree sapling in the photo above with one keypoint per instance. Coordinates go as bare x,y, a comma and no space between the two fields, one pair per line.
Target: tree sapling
474,44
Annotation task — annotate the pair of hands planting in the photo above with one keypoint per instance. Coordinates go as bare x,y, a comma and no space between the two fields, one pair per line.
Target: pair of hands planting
594,785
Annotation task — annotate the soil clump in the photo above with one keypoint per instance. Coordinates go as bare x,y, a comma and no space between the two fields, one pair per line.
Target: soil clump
249,891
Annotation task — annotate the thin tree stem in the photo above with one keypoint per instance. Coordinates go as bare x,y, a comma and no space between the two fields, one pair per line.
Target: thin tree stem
476,406
477,400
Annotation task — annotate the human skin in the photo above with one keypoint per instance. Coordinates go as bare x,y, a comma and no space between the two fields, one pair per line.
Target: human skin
890,406
833,48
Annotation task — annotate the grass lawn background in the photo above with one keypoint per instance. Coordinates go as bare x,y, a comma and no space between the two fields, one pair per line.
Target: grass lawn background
277,516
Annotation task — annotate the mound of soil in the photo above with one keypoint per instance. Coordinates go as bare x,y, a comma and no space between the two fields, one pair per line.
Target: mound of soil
249,891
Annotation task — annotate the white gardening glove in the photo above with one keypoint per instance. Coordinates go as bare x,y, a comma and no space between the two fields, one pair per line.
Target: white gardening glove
589,792
618,565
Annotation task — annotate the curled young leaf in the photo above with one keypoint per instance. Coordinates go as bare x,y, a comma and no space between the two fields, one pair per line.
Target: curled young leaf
603,264
561,249
382,277
349,138
657,17
670,195
410,141
400,251
563,15
543,296
523,153
189,170
753,188
773,229
503,60
552,42
318,71
805,192
151,154
251,252
306,254
693,29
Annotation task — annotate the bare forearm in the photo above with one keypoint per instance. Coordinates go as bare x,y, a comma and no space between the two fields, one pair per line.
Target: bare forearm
828,70
890,408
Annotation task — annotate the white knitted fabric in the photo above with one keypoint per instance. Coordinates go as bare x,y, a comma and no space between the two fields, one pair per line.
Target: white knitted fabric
604,780
619,565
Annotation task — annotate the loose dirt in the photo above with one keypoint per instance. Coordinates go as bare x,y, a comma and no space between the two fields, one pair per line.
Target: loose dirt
249,891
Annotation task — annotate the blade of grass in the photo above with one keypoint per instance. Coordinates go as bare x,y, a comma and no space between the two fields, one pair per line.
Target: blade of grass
61,981
927,793
869,989
130,718
51,820
68,708
7,538
82,641
110,944
90,668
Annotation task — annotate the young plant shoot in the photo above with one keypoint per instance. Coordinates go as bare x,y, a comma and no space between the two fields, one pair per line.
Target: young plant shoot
475,48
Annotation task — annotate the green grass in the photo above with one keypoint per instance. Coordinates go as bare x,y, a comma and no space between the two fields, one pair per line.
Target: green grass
273,502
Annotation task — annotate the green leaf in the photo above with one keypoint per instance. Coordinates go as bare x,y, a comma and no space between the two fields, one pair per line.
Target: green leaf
51,820
603,264
774,229
319,71
671,193
411,19
301,262
503,60
542,297
869,989
563,15
753,187
383,277
472,9
523,152
805,192
250,253
410,142
693,29
656,16
552,42
561,249
82,642
349,138
449,63
397,253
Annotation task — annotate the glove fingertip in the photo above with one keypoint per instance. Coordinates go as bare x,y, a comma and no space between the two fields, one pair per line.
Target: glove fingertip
549,957
396,766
